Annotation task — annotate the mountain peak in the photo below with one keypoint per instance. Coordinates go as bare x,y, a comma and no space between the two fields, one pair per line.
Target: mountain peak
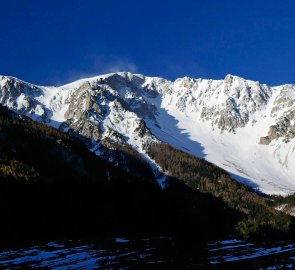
230,77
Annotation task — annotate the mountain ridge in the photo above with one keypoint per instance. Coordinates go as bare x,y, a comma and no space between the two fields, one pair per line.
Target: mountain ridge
224,121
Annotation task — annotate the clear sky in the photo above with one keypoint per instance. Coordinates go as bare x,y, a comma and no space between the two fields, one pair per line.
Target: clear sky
57,41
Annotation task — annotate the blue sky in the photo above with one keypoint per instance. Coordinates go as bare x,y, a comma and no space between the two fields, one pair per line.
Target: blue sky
58,41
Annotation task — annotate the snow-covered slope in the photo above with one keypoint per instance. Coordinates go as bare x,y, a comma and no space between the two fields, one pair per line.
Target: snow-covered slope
243,126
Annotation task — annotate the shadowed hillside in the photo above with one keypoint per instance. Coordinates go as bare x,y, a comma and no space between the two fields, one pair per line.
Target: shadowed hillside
52,186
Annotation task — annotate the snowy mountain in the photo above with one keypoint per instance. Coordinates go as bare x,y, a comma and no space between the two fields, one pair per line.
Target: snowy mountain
245,127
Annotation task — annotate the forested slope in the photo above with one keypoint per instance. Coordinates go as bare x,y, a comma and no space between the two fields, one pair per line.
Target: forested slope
52,186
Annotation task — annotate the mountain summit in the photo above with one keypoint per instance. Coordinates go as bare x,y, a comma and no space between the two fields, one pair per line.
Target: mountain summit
242,126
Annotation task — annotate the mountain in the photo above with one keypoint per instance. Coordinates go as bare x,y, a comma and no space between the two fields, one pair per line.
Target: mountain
242,126
52,186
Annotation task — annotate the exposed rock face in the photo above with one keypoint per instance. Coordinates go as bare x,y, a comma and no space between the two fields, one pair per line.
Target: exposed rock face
234,120
22,97
96,110
284,128
84,114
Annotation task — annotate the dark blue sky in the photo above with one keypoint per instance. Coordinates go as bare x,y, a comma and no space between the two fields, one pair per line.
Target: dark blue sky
57,41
